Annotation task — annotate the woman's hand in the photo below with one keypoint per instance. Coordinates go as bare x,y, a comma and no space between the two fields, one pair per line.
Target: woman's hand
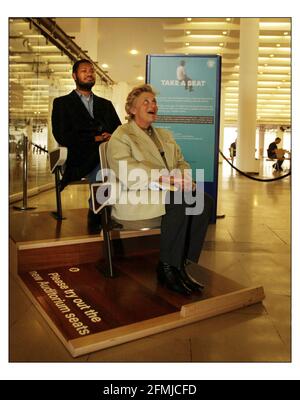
184,184
106,136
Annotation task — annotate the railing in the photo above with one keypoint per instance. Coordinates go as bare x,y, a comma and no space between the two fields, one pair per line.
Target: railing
62,41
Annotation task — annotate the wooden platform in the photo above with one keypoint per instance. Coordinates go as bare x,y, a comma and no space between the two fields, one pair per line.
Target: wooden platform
37,240
89,312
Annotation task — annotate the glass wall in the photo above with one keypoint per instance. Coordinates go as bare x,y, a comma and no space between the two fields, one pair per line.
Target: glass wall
38,72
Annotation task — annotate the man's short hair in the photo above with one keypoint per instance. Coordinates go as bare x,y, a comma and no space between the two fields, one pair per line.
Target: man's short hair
78,62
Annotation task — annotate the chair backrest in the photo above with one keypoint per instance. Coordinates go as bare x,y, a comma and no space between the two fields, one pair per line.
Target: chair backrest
57,157
101,192
101,195
103,157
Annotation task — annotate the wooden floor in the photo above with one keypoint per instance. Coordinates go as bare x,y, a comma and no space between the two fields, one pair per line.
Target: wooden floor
35,226
59,265
250,246
117,302
89,312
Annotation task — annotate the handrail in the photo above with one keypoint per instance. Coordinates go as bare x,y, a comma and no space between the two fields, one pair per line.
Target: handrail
59,38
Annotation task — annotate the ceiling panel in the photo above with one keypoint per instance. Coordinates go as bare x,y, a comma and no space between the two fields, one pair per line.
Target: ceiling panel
37,66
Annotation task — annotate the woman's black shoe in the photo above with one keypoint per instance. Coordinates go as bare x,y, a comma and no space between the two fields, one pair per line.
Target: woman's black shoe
169,276
190,282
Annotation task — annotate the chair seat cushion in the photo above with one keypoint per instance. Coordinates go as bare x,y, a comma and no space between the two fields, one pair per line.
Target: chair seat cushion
142,224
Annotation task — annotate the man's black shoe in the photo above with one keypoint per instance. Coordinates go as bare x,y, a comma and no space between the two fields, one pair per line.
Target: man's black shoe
168,276
94,222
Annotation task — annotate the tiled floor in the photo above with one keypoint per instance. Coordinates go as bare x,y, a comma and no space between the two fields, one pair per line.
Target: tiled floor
38,172
251,245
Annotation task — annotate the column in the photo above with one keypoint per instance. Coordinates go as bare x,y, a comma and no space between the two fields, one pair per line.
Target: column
262,130
51,142
119,95
280,132
87,39
249,41
222,112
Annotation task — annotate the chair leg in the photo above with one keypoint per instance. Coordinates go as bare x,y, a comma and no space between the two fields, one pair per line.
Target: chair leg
58,213
108,268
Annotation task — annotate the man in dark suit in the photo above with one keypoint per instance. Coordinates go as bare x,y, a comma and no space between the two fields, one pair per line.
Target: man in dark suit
81,121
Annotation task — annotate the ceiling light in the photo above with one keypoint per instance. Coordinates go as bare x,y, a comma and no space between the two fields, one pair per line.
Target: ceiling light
285,33
133,52
189,19
221,44
104,65
277,45
33,36
224,32
140,78
47,47
228,19
188,32
187,44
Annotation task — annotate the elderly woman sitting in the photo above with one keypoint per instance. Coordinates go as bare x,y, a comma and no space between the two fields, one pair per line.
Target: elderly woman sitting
139,150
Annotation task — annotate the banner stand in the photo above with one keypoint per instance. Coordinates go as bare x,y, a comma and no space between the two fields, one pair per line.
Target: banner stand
188,95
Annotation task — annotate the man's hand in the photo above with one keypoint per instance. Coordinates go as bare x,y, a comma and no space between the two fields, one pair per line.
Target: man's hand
104,137
98,138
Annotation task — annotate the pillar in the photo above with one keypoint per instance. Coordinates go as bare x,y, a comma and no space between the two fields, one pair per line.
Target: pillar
280,133
53,92
249,41
51,142
222,112
261,145
119,95
87,38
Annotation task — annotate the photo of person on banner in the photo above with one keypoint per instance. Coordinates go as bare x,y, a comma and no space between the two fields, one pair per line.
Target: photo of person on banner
182,76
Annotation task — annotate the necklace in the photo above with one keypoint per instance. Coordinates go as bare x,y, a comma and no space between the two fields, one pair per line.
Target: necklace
149,131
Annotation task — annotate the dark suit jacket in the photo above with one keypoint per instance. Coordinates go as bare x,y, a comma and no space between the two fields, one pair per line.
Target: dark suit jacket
73,127
271,150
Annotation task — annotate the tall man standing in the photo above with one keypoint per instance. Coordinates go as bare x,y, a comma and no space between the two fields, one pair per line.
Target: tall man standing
81,121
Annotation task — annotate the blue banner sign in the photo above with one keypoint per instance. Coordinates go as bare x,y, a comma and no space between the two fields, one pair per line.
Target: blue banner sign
188,95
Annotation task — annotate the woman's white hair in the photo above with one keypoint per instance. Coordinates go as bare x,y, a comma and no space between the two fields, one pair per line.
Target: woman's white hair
133,95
